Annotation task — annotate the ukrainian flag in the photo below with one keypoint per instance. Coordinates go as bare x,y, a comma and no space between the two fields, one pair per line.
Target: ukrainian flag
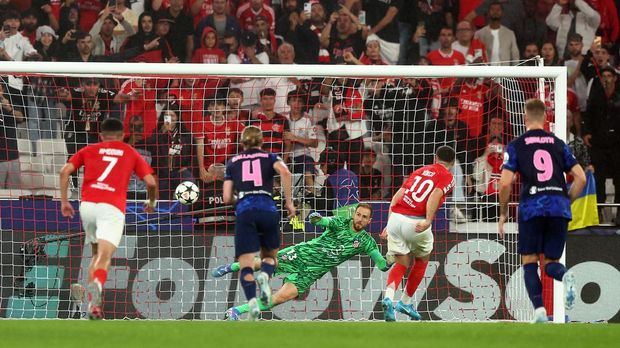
584,209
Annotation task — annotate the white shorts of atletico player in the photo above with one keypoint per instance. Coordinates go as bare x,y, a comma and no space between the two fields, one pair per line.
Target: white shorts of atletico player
403,239
102,221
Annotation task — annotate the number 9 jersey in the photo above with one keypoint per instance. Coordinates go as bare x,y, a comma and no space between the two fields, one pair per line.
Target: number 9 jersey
420,185
541,159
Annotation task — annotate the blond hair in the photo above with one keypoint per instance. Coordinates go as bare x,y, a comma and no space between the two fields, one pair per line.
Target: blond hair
535,110
252,136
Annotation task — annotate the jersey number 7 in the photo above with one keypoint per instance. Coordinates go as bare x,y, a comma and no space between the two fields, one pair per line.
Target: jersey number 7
108,169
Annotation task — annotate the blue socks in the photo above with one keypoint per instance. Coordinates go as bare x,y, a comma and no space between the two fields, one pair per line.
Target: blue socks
267,268
249,286
555,270
533,284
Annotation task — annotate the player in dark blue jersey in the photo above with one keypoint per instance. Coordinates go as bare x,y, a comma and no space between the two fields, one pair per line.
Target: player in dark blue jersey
250,174
544,206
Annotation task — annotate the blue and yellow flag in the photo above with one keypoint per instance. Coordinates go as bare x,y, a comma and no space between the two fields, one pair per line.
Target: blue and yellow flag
584,209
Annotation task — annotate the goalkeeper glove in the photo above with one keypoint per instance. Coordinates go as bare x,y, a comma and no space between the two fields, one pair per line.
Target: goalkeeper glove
314,217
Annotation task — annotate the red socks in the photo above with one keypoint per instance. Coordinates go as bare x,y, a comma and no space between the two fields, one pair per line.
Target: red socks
100,275
396,275
415,276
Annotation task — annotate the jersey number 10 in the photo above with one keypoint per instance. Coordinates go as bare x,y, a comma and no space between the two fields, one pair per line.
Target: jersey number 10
420,189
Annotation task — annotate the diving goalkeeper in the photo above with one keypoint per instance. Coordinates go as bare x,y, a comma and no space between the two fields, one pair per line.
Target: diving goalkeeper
306,262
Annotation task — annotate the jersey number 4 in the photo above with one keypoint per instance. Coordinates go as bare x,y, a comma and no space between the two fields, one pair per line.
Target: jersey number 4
112,162
420,189
251,171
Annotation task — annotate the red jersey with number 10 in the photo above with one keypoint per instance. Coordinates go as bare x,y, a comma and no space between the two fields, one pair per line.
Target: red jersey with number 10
107,169
419,187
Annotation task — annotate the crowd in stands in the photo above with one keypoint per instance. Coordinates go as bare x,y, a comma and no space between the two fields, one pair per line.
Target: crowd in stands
376,129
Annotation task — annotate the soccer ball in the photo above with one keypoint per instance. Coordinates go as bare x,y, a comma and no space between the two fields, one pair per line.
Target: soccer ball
186,193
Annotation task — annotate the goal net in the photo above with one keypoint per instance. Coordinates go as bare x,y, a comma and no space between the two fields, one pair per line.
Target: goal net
348,133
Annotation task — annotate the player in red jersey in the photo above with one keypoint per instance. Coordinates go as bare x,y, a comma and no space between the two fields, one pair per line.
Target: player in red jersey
108,165
408,230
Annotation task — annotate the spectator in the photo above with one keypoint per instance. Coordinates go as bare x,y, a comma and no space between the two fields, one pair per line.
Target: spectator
382,17
370,178
87,107
89,12
550,54
572,16
445,55
407,22
30,24
105,42
69,18
145,31
247,53
530,28
218,20
486,174
609,28
433,15
601,128
371,55
597,58
343,38
233,106
346,125
530,52
302,136
181,34
15,47
266,38
514,7
191,95
273,125
497,128
290,19
216,141
47,44
472,94
576,144
576,80
305,44
120,10
9,153
474,51
138,96
500,41
6,5
171,149
246,14
209,51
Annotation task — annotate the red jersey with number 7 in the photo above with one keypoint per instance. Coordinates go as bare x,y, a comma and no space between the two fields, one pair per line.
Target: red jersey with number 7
420,185
107,169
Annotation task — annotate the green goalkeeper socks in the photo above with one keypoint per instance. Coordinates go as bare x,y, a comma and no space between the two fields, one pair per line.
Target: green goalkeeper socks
244,308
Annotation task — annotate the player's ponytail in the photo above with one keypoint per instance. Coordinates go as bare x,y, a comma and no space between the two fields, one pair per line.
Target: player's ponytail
251,137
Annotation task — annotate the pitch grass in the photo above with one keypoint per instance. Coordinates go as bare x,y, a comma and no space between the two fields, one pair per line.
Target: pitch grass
190,334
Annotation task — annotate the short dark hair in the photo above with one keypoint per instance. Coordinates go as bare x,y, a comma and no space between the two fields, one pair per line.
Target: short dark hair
364,205
267,91
575,37
235,90
11,14
445,154
111,125
81,35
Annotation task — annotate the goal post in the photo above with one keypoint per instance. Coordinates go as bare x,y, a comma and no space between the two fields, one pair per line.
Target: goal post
376,123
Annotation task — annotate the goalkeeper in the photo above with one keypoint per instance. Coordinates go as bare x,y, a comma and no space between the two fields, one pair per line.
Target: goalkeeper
306,262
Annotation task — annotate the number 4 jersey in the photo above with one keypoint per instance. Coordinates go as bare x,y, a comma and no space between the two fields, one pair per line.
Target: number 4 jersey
419,187
541,159
107,169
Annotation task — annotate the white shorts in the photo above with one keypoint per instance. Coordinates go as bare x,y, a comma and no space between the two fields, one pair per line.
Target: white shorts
403,239
102,221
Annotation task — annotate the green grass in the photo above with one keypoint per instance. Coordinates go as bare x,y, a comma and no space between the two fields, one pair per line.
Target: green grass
172,334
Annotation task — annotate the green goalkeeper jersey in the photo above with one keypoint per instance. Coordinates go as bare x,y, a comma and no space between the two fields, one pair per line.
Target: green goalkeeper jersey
336,245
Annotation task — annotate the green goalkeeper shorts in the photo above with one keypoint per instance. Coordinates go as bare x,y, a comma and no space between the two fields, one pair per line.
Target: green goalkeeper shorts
296,273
